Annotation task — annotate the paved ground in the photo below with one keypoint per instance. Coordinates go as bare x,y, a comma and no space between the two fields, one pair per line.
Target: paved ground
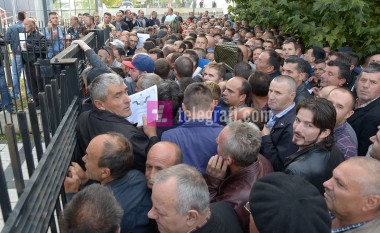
6,163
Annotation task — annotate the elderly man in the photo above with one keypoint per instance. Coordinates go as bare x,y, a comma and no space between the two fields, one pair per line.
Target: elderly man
74,27
109,160
374,149
353,196
366,116
277,134
99,205
36,47
313,133
112,106
181,204
196,137
162,155
238,152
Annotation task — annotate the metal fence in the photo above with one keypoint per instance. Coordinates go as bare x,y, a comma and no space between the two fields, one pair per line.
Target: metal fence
42,197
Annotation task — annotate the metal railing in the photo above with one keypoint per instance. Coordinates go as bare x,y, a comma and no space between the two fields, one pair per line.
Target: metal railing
42,198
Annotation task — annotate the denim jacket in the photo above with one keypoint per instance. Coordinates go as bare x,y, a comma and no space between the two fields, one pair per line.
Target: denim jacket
12,36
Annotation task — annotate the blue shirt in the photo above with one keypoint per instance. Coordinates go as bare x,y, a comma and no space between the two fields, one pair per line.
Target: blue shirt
346,228
273,118
197,140
56,43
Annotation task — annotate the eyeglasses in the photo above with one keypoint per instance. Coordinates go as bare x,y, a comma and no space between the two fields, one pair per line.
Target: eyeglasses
247,207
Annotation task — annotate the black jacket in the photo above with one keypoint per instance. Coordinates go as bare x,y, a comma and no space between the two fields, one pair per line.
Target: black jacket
315,164
365,121
36,47
302,93
95,122
278,144
131,25
124,25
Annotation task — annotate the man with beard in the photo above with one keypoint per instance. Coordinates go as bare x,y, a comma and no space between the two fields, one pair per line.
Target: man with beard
313,133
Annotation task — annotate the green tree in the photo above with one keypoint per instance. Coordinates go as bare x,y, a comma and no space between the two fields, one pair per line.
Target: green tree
353,23
112,3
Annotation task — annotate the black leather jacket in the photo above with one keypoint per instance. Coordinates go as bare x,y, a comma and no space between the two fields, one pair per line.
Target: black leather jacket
36,47
302,93
314,163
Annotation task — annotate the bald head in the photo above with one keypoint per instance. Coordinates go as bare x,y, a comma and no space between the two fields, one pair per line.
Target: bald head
161,155
325,91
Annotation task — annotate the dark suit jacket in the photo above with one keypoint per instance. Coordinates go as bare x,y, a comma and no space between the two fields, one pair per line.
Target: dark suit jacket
278,144
124,25
365,121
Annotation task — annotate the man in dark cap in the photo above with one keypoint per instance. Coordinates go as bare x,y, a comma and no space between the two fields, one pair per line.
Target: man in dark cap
281,203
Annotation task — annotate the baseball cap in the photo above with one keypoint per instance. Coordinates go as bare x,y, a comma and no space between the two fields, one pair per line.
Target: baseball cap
141,62
118,43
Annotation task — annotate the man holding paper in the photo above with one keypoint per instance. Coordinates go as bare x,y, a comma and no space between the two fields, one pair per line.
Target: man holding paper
112,106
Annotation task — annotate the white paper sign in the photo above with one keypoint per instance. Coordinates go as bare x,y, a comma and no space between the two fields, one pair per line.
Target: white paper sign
142,38
139,102
22,37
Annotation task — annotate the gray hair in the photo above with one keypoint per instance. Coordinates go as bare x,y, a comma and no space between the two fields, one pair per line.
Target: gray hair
243,143
192,190
292,86
99,87
93,209
372,68
149,80
370,181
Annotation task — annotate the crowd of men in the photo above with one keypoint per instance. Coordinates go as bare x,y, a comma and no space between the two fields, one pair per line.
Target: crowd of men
285,140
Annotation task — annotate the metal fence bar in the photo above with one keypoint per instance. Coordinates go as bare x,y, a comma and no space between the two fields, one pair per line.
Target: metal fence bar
50,101
35,129
15,158
5,202
55,99
37,203
44,118
24,131
43,194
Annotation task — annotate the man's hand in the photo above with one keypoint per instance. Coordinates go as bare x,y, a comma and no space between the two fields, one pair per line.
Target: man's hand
150,130
265,131
72,182
82,44
77,169
217,167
